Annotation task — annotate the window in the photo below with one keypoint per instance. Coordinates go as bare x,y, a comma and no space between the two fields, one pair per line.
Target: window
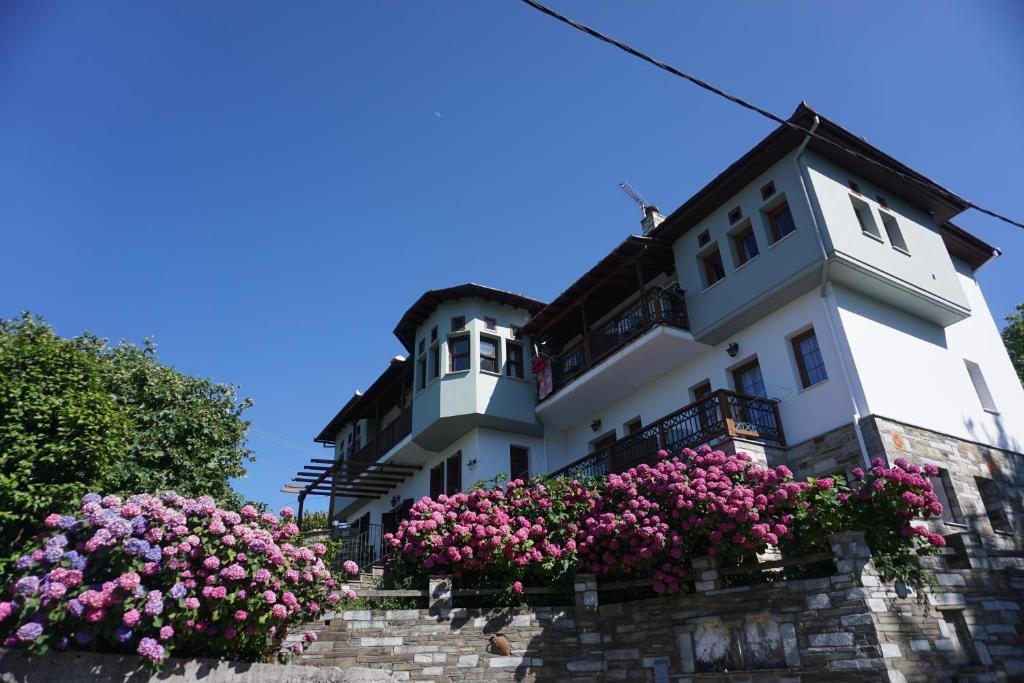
714,270
458,354
704,238
865,218
603,442
942,484
421,364
808,358
768,190
488,354
634,426
735,215
490,323
458,323
745,245
513,359
980,386
780,221
881,201
992,499
433,334
436,481
854,186
747,379
892,229
454,467
707,410
518,462
517,332
435,360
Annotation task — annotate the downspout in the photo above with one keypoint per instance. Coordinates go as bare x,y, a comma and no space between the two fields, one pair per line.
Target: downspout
827,297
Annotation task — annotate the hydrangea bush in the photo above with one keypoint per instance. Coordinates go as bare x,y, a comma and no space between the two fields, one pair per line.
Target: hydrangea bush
652,519
157,576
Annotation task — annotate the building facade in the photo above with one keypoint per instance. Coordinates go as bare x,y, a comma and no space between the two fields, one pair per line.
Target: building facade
813,307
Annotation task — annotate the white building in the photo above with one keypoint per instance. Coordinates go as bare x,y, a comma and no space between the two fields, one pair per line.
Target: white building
807,305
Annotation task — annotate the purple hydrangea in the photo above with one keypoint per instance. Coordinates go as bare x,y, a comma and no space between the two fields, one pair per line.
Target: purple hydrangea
91,498
136,546
27,585
150,648
24,562
178,591
75,607
53,553
154,554
77,560
123,634
30,631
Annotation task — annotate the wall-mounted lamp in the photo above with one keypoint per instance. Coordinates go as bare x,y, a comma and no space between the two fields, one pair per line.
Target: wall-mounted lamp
471,463
394,501
733,350
596,424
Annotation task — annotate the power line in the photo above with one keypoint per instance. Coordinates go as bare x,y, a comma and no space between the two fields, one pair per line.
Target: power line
763,112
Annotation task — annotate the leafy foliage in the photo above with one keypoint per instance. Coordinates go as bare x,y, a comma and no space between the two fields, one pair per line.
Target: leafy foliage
189,434
1013,338
79,415
61,432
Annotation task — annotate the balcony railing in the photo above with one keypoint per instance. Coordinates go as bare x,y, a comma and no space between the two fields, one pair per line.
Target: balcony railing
723,413
364,546
655,307
386,439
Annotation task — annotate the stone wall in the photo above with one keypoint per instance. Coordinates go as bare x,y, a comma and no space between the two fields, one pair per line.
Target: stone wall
93,667
846,627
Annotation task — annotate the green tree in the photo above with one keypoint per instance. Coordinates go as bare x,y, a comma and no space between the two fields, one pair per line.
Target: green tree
77,415
189,434
1013,338
61,432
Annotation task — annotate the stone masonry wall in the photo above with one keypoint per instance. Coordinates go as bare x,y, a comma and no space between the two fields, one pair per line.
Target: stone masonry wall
848,627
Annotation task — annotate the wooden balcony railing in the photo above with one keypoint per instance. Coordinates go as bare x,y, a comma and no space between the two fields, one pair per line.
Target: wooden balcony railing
656,307
384,441
723,413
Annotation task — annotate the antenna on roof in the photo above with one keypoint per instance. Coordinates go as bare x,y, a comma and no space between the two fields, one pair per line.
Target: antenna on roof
635,196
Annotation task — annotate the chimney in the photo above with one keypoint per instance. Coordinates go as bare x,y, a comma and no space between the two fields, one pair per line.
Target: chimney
652,218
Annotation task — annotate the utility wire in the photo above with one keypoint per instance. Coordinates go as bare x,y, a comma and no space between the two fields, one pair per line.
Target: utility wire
934,187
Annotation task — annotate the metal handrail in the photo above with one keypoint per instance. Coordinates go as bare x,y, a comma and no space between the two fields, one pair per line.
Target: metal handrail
723,413
663,308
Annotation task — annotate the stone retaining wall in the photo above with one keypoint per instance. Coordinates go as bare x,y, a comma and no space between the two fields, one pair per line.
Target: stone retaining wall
847,627
94,667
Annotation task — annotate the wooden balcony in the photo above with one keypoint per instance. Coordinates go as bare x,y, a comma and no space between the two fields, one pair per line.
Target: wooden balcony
722,414
386,439
653,308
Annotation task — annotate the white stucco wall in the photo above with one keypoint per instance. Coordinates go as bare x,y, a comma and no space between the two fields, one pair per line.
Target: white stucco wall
773,269
473,391
805,412
928,268
914,372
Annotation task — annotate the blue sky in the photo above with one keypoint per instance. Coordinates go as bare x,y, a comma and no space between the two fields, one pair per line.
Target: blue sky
266,187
